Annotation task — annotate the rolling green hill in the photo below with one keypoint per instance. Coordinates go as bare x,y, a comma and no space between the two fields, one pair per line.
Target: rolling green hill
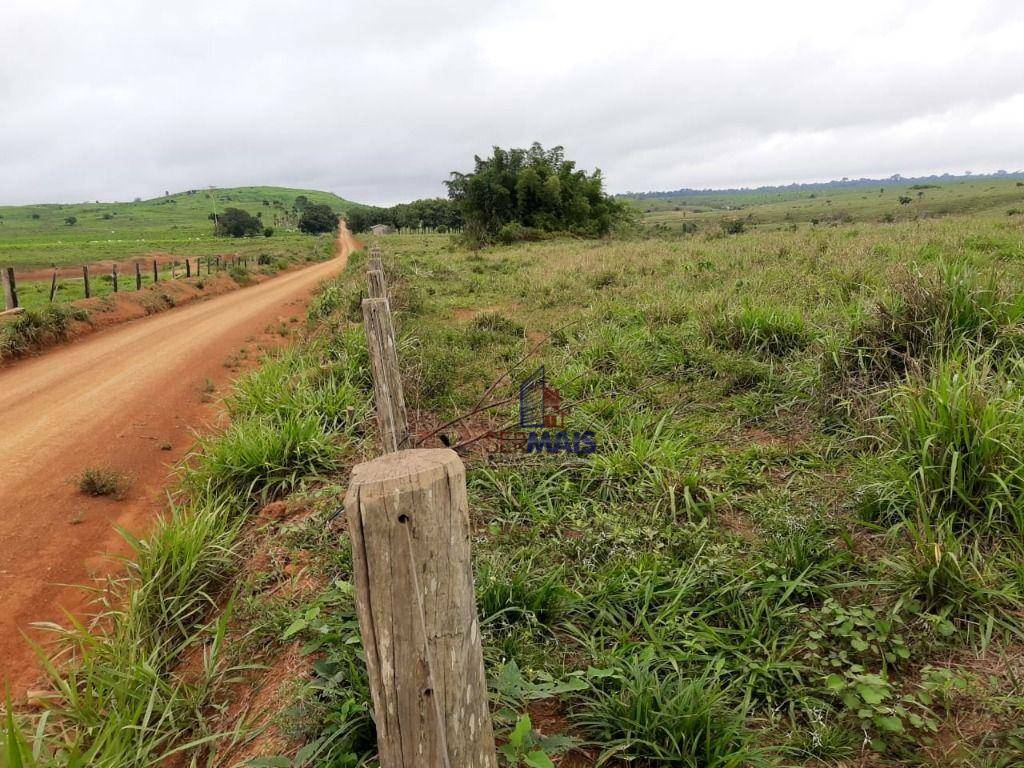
41,235
991,197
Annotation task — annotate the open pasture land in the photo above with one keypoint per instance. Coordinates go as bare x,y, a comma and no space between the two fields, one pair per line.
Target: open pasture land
37,236
799,541
801,536
987,197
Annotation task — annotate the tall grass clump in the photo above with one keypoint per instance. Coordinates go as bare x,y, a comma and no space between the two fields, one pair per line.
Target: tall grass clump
764,330
649,713
36,327
927,318
958,447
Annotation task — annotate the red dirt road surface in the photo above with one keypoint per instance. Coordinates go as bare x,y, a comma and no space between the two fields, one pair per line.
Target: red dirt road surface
117,399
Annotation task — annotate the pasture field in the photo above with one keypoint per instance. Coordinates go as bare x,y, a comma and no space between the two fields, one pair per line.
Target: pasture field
800,540
39,235
987,197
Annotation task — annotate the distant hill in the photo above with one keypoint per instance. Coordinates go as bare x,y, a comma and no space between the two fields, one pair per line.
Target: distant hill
844,183
33,235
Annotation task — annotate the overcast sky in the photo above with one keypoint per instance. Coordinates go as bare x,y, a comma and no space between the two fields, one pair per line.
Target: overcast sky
378,101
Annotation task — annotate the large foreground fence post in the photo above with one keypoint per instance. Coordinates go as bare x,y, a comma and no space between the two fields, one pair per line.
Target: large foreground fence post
409,524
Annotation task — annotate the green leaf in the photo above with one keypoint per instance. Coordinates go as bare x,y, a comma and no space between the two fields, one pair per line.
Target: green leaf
294,628
537,759
871,694
889,723
835,683
521,732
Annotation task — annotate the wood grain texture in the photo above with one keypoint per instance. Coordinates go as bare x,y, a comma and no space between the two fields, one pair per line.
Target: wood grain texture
376,288
389,399
409,526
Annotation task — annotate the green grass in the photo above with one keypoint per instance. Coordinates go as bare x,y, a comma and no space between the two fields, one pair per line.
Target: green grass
990,198
37,235
735,577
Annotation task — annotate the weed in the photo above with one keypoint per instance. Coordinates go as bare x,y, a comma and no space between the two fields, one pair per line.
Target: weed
103,481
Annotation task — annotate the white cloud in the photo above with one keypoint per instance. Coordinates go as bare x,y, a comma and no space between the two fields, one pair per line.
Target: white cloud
378,102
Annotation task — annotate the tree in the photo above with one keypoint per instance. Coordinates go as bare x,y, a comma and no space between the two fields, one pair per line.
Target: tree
300,203
318,218
235,222
537,189
71,220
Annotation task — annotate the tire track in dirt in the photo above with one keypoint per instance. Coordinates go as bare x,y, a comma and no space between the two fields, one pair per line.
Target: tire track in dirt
116,398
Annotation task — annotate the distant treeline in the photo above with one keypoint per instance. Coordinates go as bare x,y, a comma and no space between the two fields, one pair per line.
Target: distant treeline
433,213
844,183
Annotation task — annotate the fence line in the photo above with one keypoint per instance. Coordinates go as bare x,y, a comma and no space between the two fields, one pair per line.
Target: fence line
410,534
10,285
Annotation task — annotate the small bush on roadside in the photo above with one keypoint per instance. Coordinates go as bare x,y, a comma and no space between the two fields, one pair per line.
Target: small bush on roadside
102,481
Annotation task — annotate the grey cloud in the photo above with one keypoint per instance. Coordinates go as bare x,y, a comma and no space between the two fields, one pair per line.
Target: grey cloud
378,102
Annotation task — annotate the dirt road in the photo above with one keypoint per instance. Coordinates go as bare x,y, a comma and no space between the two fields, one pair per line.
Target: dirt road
128,398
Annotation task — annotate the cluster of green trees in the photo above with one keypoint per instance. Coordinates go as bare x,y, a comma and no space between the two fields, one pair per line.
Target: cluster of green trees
520,194
434,213
317,218
235,222
314,218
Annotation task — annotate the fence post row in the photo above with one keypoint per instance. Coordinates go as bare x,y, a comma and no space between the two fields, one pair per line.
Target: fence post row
409,527
10,288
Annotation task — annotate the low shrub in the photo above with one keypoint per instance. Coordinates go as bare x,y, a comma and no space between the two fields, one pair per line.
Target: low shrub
103,481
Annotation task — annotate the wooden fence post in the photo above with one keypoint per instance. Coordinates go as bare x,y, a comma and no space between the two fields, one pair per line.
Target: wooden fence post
85,279
156,272
113,274
408,520
188,268
138,277
387,380
53,285
10,288
375,284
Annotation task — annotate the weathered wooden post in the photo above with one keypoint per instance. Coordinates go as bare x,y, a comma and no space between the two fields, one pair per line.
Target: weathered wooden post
53,285
138,277
85,280
156,272
10,288
408,520
376,289
188,268
174,268
387,380
113,274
